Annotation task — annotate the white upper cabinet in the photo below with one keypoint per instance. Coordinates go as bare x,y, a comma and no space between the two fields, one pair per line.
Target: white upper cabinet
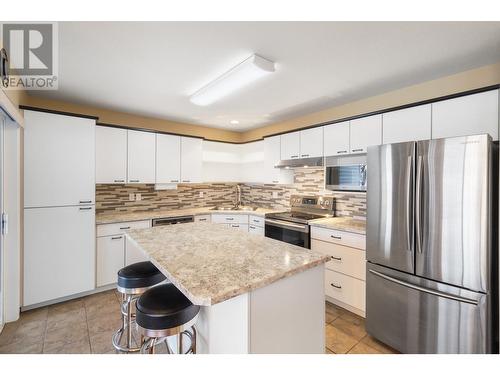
272,156
336,139
141,157
290,146
466,115
168,159
409,124
191,159
311,142
59,160
364,132
111,155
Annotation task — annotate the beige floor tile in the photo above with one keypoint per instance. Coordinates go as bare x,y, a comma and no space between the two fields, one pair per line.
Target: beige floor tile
352,318
81,346
66,335
338,341
24,347
72,305
104,310
8,332
29,333
100,298
101,324
57,320
101,342
354,328
381,347
333,310
328,351
34,315
362,348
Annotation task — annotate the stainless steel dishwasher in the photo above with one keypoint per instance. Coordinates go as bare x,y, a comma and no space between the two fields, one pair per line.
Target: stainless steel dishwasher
172,220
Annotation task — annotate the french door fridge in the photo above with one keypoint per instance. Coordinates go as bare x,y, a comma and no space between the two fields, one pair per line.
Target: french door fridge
431,245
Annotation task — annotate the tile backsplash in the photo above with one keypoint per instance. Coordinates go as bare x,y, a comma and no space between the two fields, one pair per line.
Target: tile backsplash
308,181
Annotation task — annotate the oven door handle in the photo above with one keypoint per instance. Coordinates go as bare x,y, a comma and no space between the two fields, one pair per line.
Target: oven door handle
288,225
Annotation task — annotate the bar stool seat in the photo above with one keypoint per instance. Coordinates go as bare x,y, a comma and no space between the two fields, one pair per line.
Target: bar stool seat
139,275
133,280
163,311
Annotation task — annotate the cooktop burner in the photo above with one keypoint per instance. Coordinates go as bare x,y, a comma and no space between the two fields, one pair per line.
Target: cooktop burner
301,217
306,208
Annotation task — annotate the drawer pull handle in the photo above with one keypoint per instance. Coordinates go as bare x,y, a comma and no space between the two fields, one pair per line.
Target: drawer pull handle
275,181
235,226
357,150
294,156
134,180
336,286
336,258
305,155
174,180
342,152
85,201
336,237
256,221
204,219
252,227
85,208
117,238
119,180
186,180
229,218
124,228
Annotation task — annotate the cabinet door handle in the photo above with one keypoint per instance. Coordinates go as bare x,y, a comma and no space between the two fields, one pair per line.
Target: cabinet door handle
85,208
256,221
186,180
252,227
174,180
235,225
229,218
124,228
336,237
336,258
117,238
294,156
336,286
275,182
305,155
342,152
357,150
134,180
85,201
202,219
119,180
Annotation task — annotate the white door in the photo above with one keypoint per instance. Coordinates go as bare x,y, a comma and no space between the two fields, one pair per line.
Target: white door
110,155
59,160
59,252
409,124
168,158
364,132
110,258
466,115
290,146
141,157
272,156
311,142
336,139
191,159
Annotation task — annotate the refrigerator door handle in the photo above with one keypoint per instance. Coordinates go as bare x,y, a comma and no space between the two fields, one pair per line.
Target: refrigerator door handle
418,200
408,204
425,290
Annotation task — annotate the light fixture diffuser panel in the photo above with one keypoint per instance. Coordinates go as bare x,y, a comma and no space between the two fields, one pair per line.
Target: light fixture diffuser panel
246,72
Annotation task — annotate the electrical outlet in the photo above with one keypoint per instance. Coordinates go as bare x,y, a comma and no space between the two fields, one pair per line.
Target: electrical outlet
275,194
131,197
138,196
201,194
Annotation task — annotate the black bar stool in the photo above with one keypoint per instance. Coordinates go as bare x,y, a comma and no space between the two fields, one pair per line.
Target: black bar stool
163,312
133,280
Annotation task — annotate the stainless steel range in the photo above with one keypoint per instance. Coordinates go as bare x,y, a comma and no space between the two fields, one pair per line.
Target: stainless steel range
293,226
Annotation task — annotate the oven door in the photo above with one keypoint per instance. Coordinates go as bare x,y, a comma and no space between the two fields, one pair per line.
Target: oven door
286,231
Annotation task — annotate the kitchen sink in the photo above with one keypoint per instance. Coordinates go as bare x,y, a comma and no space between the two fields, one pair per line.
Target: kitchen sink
233,208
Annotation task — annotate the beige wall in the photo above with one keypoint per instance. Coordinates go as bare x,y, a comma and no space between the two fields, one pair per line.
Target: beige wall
464,81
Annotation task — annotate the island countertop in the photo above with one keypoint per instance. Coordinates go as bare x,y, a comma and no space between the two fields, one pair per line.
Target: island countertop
211,263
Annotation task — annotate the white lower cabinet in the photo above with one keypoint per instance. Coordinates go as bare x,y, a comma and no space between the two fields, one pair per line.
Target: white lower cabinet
345,273
256,230
110,258
202,219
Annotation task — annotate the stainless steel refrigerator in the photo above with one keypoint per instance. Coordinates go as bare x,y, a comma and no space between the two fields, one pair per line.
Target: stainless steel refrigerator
431,247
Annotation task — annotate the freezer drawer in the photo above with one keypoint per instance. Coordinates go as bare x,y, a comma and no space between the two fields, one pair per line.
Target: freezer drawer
414,315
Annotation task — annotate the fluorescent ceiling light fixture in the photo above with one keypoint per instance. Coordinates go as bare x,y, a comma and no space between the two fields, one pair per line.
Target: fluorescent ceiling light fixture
246,72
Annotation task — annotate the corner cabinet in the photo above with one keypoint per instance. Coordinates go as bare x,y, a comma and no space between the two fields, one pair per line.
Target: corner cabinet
110,155
168,159
141,157
191,159
364,132
272,156
466,115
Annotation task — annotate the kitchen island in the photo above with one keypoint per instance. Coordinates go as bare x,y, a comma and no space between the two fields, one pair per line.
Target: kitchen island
257,295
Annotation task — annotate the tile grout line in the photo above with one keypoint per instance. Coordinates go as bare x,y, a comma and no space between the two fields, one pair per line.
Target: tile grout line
87,324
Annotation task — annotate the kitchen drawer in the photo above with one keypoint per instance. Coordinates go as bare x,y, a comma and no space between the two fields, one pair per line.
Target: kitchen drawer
202,218
339,237
242,227
256,230
345,289
257,221
346,260
229,219
120,228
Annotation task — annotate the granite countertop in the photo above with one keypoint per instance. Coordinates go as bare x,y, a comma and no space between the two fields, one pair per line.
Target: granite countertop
346,224
120,216
211,263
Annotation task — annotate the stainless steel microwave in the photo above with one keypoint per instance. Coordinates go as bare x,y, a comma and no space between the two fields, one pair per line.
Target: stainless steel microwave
345,173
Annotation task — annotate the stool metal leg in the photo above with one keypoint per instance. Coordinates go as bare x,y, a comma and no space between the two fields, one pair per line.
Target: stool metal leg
128,320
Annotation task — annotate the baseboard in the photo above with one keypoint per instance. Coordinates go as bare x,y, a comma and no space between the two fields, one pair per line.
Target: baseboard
346,306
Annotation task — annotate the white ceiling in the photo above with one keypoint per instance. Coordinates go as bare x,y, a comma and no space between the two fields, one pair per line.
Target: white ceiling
152,68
